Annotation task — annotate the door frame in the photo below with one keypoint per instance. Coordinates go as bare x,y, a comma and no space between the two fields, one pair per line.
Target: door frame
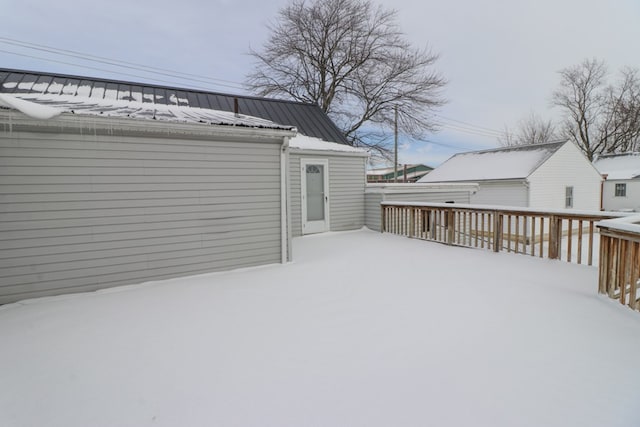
310,227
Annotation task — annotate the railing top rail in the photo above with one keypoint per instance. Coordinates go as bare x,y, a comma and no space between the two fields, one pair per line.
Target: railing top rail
399,187
575,213
629,224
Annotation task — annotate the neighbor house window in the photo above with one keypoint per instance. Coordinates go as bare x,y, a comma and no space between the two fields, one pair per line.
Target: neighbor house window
568,197
621,190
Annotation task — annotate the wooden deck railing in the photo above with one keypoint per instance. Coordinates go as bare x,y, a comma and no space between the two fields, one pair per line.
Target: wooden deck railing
620,260
563,234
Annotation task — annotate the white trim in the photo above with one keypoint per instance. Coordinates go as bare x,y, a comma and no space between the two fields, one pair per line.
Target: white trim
315,226
412,188
284,201
328,152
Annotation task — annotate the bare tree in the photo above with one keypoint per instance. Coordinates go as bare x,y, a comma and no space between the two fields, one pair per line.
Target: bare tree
598,117
350,58
621,127
531,130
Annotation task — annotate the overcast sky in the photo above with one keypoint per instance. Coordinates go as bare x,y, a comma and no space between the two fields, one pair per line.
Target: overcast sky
501,57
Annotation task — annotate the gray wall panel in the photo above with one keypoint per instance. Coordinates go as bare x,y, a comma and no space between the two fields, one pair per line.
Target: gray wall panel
84,212
346,190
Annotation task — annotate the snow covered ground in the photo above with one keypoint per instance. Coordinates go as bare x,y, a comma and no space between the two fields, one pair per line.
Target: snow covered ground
363,329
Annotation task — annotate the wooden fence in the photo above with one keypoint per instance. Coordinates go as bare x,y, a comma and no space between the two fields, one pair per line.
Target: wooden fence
620,260
563,234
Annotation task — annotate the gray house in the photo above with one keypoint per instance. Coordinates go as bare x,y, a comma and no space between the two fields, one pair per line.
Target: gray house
621,188
105,183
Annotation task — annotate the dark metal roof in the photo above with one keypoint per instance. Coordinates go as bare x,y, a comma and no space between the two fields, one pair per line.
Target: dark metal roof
309,119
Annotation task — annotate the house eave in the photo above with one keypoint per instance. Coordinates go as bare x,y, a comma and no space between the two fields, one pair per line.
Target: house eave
12,120
295,150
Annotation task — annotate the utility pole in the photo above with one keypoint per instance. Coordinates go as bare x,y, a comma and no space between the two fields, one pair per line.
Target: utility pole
395,150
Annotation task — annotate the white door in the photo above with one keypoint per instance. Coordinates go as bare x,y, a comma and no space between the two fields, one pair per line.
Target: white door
315,195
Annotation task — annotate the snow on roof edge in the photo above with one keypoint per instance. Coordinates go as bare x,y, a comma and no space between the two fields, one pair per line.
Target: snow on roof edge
50,106
29,108
303,143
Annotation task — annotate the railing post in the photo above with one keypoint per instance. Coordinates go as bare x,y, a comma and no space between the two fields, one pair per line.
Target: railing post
412,219
603,269
382,219
554,240
497,231
451,227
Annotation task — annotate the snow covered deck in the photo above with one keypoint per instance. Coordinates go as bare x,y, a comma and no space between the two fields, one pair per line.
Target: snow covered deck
363,329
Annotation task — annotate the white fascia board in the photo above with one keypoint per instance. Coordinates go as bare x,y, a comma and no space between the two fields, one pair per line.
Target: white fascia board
322,153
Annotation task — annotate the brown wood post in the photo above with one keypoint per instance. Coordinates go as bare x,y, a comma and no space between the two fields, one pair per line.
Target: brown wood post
569,240
590,261
382,219
635,273
554,241
497,231
613,266
433,220
603,267
579,241
451,227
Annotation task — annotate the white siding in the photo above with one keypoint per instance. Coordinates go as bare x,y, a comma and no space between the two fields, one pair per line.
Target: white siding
503,193
630,202
346,190
567,167
83,212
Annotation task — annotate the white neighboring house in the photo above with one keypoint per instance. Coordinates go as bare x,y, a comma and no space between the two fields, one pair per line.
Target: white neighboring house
544,176
621,188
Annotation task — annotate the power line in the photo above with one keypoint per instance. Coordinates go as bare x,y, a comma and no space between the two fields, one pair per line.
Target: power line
115,62
470,125
448,145
120,73
470,131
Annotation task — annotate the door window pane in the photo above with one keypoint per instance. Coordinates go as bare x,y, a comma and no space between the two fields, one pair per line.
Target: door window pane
315,192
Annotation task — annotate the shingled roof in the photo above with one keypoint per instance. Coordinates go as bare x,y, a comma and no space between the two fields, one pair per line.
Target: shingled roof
51,88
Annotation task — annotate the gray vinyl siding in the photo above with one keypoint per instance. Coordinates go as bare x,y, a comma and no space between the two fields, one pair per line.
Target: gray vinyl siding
631,200
373,200
80,213
346,191
503,193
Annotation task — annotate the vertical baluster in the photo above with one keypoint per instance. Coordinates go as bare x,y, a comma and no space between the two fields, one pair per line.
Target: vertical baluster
626,273
541,248
517,234
615,265
635,275
482,228
579,241
490,220
533,235
590,254
569,239
603,273
509,233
